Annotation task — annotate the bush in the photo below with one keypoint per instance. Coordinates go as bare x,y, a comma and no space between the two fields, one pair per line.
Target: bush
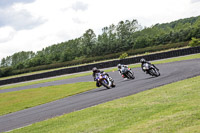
123,56
6,71
194,42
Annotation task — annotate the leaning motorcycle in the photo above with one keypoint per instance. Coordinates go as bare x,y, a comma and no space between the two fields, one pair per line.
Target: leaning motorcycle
127,73
151,70
104,80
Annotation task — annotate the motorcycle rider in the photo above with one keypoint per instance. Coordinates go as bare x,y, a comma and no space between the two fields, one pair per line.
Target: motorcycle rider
95,71
120,68
143,61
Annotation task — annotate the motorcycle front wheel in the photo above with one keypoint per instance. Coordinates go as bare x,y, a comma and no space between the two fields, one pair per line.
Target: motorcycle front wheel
105,85
154,72
131,75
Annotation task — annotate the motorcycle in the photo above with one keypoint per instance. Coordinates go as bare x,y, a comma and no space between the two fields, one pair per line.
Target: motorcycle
151,70
128,73
104,80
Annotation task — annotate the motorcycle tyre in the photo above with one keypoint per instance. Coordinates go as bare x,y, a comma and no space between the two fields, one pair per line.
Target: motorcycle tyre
105,85
130,75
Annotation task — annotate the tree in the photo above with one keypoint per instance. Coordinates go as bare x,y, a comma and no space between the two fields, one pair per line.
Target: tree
88,42
3,62
21,57
124,32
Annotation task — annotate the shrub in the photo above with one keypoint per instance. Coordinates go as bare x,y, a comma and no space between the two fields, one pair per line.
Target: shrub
6,71
194,42
123,56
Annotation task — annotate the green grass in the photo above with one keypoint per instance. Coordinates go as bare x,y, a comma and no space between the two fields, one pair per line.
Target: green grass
44,80
166,109
19,100
89,73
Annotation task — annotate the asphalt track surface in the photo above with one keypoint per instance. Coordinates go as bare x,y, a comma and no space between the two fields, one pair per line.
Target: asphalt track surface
170,72
58,82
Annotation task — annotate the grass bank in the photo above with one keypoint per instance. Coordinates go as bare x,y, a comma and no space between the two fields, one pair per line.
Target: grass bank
89,73
170,108
19,100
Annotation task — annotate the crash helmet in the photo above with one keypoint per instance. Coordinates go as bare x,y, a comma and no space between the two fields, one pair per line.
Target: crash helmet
142,60
119,66
94,69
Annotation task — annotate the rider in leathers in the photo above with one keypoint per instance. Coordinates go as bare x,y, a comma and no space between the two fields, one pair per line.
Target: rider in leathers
95,70
143,61
120,68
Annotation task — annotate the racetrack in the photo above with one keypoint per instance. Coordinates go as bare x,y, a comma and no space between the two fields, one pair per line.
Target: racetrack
57,82
170,72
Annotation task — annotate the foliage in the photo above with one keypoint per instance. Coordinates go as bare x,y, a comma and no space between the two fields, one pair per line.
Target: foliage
194,42
17,58
115,39
123,56
6,71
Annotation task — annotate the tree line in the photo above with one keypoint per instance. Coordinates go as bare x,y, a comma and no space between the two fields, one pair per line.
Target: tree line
126,35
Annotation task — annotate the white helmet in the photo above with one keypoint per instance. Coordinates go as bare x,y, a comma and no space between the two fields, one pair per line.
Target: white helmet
119,66
142,60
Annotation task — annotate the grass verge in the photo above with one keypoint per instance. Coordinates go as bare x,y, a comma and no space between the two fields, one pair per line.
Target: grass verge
44,80
19,100
89,73
170,108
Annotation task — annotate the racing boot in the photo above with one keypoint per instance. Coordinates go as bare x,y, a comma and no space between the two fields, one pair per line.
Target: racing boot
111,79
